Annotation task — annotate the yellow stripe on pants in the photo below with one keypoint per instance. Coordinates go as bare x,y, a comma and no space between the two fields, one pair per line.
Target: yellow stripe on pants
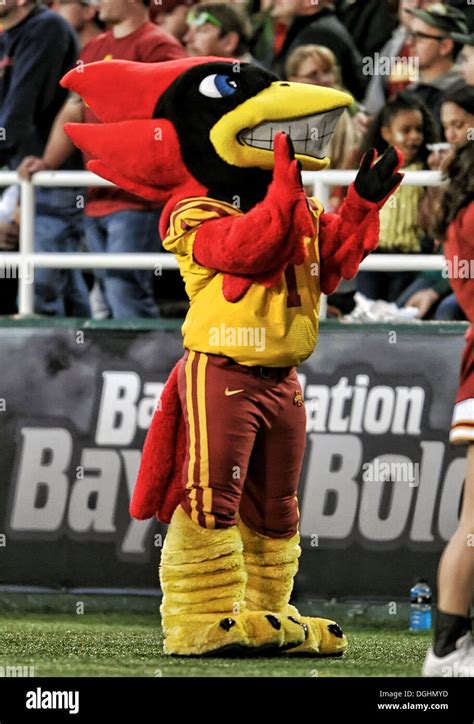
203,443
192,435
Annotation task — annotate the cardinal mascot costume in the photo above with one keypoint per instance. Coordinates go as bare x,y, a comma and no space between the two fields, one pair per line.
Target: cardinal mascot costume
220,144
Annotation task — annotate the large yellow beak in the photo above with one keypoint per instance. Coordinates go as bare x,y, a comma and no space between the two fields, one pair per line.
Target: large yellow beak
308,113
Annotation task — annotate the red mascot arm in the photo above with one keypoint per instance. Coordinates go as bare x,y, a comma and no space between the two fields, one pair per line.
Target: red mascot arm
265,239
346,238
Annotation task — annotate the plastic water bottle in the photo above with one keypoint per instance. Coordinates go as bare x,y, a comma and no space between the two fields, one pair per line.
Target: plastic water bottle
420,610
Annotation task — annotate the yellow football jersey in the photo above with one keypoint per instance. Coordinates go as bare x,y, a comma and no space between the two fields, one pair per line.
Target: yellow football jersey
400,230
275,327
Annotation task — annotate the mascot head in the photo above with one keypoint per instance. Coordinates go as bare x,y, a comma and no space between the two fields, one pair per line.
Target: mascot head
198,126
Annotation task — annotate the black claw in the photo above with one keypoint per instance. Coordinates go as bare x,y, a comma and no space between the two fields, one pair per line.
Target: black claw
335,629
301,623
274,621
227,623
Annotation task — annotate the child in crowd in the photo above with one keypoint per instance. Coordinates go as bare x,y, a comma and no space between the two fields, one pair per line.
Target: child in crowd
406,123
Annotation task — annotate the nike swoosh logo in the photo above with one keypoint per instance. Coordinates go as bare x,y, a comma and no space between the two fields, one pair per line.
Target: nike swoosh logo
228,392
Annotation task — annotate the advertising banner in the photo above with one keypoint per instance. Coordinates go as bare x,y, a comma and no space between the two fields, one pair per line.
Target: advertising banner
380,487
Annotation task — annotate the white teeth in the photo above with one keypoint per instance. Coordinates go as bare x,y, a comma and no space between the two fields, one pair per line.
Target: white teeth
310,135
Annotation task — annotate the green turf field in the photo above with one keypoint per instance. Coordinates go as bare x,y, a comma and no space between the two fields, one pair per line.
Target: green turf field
119,644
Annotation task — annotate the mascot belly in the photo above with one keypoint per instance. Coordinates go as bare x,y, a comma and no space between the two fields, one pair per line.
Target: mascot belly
221,144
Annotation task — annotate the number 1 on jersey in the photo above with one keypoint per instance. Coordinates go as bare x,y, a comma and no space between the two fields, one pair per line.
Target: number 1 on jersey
293,299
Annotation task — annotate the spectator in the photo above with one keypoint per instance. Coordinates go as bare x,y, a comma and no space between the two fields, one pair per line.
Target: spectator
317,64
436,53
171,16
116,221
467,56
273,30
59,226
370,23
406,123
82,15
398,49
262,29
431,291
457,116
36,48
63,291
317,24
218,28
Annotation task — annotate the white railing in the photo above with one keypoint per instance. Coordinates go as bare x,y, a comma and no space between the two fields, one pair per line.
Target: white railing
26,259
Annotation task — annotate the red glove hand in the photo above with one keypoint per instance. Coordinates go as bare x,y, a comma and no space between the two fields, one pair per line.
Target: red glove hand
286,171
287,178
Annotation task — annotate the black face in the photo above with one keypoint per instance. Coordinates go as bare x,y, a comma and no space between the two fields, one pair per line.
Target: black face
194,103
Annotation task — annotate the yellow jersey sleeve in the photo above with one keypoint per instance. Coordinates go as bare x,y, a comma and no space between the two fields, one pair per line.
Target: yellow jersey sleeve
187,216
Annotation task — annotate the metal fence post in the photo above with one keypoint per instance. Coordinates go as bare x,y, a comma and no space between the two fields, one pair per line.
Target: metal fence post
26,269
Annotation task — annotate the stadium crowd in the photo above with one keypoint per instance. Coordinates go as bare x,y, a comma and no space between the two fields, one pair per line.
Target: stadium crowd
409,65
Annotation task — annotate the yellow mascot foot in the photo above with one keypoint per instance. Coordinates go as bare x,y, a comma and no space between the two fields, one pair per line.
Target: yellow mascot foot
203,580
272,632
204,633
271,565
249,633
325,637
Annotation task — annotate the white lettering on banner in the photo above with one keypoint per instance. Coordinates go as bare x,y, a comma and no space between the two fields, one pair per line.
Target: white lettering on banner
408,410
117,418
333,468
379,410
401,492
44,460
430,475
341,393
391,527
323,480
119,415
360,395
148,405
348,408
94,498
89,504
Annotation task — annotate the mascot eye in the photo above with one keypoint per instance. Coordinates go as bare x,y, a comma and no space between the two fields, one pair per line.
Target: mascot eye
217,86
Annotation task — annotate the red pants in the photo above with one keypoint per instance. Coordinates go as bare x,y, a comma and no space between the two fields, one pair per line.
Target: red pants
246,435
